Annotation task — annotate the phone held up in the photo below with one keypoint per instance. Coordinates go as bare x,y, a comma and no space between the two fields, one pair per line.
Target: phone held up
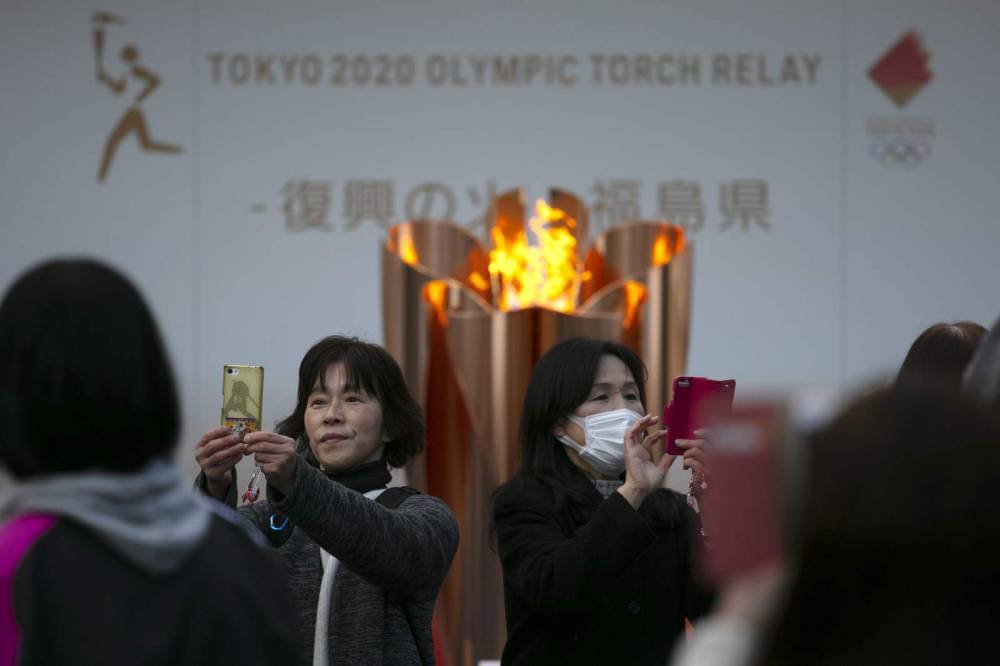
242,397
742,514
758,452
695,401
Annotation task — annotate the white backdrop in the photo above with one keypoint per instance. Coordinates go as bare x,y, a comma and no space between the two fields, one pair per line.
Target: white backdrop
304,131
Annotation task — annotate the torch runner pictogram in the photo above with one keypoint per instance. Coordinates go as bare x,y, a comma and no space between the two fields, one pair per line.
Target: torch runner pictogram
133,119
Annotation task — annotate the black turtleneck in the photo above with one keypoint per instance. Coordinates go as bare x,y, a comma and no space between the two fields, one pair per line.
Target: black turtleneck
364,477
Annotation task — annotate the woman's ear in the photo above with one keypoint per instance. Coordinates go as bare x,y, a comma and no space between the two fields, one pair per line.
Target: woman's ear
559,429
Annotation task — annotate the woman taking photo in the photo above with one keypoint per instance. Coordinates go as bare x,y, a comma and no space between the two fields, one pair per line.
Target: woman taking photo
597,564
365,570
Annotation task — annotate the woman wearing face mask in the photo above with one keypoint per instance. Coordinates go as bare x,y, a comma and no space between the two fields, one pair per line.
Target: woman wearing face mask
597,555
364,570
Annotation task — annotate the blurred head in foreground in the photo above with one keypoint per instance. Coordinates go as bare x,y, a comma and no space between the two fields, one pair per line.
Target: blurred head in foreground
84,379
939,356
896,560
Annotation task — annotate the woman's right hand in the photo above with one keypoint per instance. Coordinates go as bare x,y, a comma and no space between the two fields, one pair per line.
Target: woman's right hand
217,452
642,475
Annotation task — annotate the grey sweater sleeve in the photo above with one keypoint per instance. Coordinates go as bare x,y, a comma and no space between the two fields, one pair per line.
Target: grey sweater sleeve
256,516
408,549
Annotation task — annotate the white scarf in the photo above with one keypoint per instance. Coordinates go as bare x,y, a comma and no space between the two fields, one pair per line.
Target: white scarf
321,653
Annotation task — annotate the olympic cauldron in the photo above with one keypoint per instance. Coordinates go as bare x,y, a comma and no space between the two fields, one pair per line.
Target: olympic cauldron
467,324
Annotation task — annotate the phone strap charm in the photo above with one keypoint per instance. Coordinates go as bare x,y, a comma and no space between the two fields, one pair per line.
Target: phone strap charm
696,488
252,493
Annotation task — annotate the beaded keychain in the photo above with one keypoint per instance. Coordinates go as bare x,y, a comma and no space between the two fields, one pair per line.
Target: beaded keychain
252,493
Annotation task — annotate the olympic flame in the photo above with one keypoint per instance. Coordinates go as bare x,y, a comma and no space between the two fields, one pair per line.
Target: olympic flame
467,322
435,293
635,296
407,250
547,274
664,248
478,281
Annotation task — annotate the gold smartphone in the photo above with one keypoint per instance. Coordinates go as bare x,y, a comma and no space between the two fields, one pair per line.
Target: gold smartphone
242,397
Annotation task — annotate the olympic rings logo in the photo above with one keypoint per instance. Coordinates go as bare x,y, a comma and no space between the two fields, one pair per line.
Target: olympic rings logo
897,151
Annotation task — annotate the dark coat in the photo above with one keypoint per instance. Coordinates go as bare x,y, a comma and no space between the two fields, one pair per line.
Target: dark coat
594,581
77,602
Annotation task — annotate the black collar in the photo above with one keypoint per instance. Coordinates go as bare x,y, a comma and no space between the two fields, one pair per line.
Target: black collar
364,477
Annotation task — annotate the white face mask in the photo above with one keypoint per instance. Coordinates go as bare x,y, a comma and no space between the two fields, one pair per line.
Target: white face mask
604,450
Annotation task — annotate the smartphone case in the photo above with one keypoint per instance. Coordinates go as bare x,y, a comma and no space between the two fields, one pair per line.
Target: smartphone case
694,401
242,396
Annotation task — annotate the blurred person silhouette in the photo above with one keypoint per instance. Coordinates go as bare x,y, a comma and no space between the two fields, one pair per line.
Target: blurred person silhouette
895,560
106,555
889,559
939,356
982,376
935,360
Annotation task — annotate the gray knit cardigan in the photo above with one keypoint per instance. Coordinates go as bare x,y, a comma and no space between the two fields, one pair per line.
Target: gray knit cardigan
392,564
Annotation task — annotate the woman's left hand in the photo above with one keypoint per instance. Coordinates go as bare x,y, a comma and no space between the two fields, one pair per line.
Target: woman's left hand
277,457
696,460
642,475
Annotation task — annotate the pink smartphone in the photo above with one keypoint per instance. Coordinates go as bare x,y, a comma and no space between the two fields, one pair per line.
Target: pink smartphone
742,512
695,401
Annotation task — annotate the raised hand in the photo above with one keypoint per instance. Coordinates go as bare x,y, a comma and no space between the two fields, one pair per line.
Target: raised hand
696,460
277,457
642,475
217,452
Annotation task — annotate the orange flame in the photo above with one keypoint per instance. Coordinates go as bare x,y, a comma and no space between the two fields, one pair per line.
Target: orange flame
407,250
666,247
661,251
477,280
548,274
635,296
434,293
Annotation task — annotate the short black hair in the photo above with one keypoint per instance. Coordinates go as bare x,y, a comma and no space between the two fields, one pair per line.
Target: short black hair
368,367
85,382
